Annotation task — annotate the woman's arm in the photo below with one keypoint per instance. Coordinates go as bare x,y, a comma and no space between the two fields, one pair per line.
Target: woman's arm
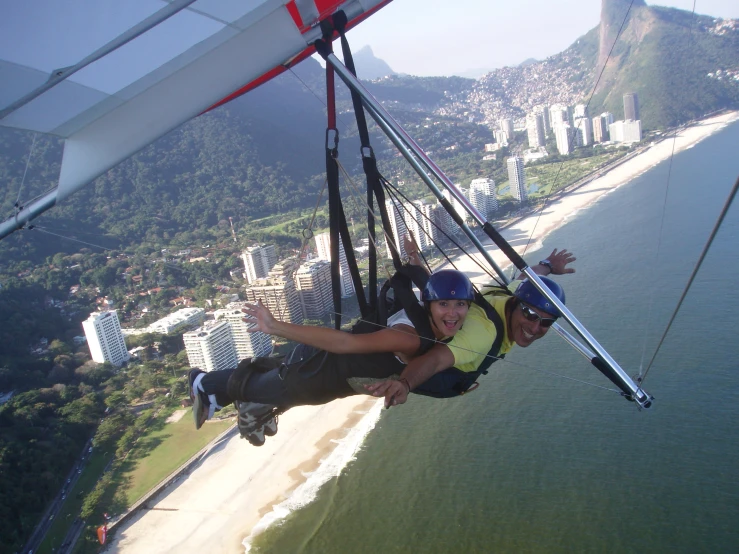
417,372
403,339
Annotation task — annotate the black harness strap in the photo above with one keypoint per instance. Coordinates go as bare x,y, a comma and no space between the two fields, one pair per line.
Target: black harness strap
369,164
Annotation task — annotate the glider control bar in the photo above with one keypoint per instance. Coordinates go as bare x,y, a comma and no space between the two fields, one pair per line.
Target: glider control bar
26,213
413,153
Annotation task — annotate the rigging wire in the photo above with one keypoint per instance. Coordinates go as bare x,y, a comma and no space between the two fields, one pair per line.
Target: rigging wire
308,233
394,192
43,230
170,265
360,199
697,267
592,93
23,180
650,305
320,100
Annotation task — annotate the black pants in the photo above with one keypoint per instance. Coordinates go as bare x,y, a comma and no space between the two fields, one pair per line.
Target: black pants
306,378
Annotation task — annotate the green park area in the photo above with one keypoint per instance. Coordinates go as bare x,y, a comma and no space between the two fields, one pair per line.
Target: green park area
552,177
163,448
161,451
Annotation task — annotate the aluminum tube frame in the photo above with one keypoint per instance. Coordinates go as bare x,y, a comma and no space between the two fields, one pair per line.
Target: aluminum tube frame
628,386
430,183
371,103
573,342
634,390
28,212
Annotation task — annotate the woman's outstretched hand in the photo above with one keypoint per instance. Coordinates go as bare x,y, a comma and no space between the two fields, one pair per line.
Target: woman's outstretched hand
395,392
259,317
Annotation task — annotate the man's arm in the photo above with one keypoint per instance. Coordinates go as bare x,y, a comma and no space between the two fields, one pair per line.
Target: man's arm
557,264
418,371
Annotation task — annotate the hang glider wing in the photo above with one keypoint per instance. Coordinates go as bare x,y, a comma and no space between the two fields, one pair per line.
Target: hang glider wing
110,77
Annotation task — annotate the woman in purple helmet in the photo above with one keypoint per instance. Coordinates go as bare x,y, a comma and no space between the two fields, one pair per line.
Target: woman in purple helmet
341,365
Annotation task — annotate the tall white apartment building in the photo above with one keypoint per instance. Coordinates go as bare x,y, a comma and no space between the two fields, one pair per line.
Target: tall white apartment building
600,129
323,248
535,130
211,347
625,131
397,215
105,339
506,125
483,196
175,321
580,110
448,223
584,130
559,115
501,137
418,222
543,111
416,218
517,178
427,218
564,138
258,260
278,293
313,283
247,345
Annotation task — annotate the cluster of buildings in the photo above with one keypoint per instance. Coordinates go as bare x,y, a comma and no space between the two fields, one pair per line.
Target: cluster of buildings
572,127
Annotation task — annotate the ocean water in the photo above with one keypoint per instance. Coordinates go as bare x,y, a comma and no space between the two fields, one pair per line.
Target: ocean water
545,456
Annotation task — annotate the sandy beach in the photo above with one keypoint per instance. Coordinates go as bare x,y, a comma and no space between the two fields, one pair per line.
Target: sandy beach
240,489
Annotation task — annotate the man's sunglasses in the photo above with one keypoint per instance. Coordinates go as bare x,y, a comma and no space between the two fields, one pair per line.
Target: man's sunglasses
531,315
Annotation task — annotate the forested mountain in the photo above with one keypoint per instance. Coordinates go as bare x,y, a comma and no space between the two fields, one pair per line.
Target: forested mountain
681,66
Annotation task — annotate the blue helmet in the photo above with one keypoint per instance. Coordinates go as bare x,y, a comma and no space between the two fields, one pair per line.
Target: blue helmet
526,292
448,284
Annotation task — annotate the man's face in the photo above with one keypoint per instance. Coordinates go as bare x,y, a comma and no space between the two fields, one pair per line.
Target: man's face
525,325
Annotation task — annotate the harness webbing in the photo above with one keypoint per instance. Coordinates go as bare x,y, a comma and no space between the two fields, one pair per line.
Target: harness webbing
338,229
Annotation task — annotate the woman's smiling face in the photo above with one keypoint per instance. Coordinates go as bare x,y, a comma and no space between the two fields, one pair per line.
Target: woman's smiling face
447,316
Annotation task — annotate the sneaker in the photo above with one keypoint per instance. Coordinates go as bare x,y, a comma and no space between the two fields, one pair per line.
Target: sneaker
255,438
255,421
270,428
201,408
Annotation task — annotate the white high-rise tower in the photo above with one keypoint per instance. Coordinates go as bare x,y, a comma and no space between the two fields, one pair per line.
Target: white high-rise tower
323,248
105,339
211,347
258,260
517,178
483,196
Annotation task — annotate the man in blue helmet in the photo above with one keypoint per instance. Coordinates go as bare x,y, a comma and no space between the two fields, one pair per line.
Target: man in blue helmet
330,364
503,318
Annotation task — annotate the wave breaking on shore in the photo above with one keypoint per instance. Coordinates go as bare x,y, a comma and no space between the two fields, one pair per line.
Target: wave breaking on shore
330,467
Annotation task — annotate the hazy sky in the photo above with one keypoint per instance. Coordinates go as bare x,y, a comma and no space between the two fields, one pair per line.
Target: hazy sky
427,37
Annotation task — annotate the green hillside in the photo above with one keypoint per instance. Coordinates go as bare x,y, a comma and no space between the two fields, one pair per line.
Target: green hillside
670,58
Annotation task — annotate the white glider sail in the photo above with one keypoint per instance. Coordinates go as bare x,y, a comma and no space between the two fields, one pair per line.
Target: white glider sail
110,77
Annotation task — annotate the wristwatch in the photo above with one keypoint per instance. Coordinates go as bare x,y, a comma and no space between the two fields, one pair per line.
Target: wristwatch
548,264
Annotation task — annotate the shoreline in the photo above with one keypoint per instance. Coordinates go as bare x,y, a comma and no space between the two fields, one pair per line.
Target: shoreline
240,490
566,206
